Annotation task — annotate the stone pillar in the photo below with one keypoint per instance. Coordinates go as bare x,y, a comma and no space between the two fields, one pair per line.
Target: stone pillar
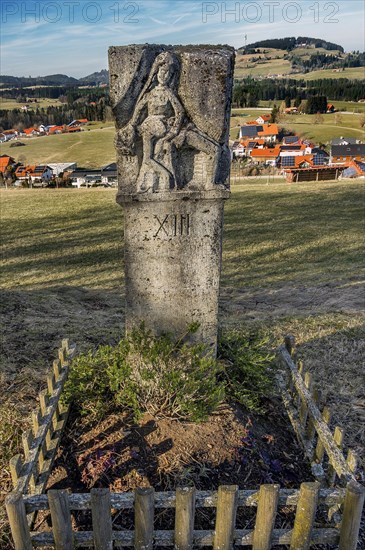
172,107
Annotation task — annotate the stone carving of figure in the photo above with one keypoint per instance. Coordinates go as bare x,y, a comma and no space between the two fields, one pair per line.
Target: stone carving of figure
160,120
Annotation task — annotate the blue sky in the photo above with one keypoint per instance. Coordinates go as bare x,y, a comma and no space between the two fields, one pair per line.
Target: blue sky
72,36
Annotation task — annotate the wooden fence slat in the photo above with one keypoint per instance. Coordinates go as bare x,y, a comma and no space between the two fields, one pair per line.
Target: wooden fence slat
304,516
338,438
303,410
351,517
184,518
311,430
27,440
56,369
65,345
226,517
319,452
144,518
265,516
62,356
101,519
18,521
50,379
352,460
15,465
61,519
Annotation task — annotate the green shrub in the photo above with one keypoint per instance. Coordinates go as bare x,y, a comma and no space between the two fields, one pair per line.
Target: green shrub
246,373
144,373
170,378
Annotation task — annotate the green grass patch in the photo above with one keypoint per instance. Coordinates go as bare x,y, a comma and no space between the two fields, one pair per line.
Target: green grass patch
42,103
273,234
92,148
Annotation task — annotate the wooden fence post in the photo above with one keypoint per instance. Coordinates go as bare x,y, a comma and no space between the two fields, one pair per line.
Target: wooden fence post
265,516
304,516
351,518
226,517
18,521
303,411
352,460
101,519
16,465
338,437
319,452
144,505
311,430
61,519
184,518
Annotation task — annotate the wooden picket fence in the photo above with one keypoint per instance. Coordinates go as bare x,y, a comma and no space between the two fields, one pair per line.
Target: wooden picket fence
343,504
301,399
40,444
227,501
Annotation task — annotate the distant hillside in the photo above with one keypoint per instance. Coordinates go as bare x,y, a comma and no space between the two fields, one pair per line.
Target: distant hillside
49,80
97,78
289,43
101,77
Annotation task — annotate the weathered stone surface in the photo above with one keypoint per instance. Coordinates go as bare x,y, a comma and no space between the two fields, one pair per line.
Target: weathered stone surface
172,106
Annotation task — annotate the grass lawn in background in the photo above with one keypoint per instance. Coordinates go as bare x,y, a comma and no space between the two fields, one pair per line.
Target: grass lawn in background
292,262
93,147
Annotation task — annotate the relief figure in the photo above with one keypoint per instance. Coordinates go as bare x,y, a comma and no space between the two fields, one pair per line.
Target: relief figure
160,121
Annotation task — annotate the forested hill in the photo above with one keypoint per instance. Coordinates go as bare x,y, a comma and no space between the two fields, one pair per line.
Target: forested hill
7,81
289,43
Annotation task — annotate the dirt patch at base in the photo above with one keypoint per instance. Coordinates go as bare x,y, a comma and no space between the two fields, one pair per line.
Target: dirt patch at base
232,446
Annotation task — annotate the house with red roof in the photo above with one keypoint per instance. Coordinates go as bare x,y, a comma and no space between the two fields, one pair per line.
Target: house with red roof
6,162
269,133
34,173
29,132
268,156
7,135
263,119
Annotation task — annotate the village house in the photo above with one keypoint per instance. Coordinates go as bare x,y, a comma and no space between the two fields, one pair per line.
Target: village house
79,122
6,162
61,167
267,156
344,154
344,141
355,169
30,132
109,174
291,140
85,177
263,119
34,173
268,132
250,130
7,135
291,110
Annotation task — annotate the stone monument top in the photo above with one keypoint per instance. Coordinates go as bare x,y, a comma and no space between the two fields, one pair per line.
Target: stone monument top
171,105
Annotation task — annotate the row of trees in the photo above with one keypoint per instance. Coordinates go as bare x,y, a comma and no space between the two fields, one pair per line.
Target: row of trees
14,118
248,92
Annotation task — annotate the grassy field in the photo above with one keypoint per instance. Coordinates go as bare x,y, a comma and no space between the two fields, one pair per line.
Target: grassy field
292,262
93,147
7,104
332,125
353,73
